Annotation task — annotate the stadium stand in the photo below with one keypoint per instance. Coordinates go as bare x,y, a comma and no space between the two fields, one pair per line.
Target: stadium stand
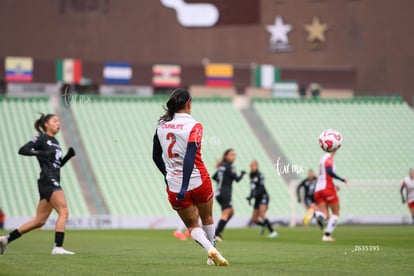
375,154
118,132
19,196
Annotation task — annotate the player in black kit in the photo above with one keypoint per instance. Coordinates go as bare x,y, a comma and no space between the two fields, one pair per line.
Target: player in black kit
49,154
261,199
224,176
308,184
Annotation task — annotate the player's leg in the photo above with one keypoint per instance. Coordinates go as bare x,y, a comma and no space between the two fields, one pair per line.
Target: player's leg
58,201
205,211
321,214
411,208
189,216
42,213
179,232
266,223
332,222
310,211
226,214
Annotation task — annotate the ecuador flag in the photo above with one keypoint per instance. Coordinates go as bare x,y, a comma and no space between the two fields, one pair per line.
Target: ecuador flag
19,69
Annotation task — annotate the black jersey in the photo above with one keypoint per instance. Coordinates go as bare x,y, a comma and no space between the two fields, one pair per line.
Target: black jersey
309,186
49,154
257,186
224,176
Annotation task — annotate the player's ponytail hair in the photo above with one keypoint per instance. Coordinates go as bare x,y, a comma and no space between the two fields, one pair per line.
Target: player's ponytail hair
39,124
223,158
178,100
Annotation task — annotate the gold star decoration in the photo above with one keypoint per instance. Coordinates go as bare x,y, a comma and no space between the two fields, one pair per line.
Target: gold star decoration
316,30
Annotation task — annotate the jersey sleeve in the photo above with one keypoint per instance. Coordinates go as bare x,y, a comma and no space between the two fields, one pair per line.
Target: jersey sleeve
329,162
196,134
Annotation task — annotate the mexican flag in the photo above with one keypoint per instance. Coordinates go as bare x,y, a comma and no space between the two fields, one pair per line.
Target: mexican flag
267,75
69,70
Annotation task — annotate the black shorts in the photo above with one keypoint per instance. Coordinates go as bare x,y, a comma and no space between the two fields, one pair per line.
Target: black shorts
224,201
309,201
47,187
262,200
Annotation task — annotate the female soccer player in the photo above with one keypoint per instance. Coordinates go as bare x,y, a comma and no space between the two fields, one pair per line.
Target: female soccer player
308,184
224,176
49,154
178,139
325,195
408,185
261,199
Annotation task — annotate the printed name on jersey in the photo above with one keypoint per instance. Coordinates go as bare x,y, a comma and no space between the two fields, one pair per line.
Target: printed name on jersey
173,126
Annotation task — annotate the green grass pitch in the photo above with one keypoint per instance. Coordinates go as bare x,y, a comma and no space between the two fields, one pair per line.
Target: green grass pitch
359,250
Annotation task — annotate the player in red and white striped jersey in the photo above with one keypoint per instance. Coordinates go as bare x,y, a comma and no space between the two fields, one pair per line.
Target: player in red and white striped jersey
325,195
408,185
177,154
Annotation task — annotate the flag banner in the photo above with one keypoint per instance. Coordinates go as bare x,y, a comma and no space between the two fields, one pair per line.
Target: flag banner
19,69
219,74
117,73
267,75
69,70
166,75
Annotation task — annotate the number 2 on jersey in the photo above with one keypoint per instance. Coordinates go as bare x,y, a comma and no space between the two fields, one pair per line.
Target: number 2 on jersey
171,136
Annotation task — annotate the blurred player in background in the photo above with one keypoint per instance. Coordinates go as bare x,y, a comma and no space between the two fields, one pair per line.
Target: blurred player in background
181,232
224,176
408,185
49,154
308,185
2,219
177,154
261,199
325,195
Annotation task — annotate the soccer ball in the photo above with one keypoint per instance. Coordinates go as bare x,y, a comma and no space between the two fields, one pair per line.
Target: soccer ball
330,140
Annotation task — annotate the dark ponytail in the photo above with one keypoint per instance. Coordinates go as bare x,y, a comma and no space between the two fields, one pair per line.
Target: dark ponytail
178,99
39,124
223,159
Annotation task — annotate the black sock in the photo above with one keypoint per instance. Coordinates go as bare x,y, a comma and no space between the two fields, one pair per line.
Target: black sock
59,236
327,234
260,223
15,234
220,227
269,226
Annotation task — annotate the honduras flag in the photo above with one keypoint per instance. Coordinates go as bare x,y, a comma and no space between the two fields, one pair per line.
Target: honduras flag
117,73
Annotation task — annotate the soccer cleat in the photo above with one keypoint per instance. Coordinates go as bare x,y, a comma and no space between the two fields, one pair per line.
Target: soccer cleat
219,238
179,235
3,244
309,215
217,258
327,238
61,251
272,235
187,234
210,261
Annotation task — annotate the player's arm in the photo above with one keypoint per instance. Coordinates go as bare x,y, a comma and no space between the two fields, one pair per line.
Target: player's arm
68,156
331,173
32,148
157,155
188,166
194,141
402,192
234,175
300,186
